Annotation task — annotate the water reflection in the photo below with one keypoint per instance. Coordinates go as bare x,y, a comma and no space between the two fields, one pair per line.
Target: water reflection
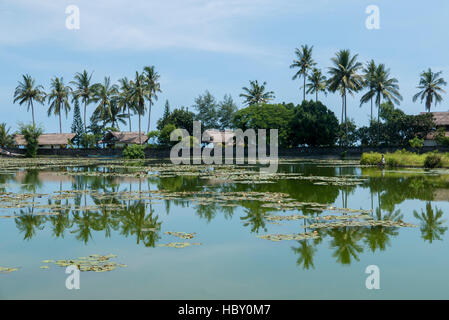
136,218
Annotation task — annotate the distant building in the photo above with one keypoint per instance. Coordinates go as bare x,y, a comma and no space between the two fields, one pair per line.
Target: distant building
442,121
225,137
123,139
48,140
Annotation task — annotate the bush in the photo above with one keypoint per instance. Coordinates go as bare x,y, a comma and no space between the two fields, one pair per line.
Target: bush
432,161
416,143
6,140
134,151
88,141
371,158
31,134
164,136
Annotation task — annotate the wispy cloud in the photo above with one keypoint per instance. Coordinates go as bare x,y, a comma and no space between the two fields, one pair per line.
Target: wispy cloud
138,25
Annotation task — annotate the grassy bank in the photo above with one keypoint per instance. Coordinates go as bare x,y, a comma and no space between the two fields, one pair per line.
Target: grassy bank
402,158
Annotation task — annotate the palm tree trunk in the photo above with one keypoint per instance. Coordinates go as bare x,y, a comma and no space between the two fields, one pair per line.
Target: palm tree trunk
60,123
32,112
342,107
129,119
371,119
304,99
149,117
85,123
316,97
140,137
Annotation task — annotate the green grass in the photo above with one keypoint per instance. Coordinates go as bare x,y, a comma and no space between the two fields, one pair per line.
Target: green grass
402,158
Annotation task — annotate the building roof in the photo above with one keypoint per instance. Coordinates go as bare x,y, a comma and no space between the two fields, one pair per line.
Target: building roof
440,118
432,135
124,137
216,136
47,139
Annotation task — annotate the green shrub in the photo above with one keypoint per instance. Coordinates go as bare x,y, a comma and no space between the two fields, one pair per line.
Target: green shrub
432,161
371,158
134,151
6,139
88,141
416,143
31,134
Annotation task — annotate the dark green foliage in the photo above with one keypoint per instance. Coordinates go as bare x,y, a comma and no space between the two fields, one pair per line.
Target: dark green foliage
77,125
226,110
6,139
432,161
314,124
134,151
180,118
164,136
347,134
89,140
206,107
267,116
31,134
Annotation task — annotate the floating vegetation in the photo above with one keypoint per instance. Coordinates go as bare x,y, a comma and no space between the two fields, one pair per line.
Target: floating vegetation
8,270
288,218
282,237
178,244
182,235
45,267
94,263
373,223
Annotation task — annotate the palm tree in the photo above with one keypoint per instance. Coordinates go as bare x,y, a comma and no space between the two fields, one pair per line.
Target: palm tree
103,94
432,224
138,93
368,76
317,83
124,98
58,98
256,94
152,82
344,77
430,85
304,62
27,91
114,116
385,87
83,90
6,139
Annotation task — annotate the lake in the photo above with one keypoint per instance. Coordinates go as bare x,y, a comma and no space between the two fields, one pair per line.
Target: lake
152,230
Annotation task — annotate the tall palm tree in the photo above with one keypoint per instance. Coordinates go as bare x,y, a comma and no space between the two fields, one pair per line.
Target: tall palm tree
430,85
256,94
304,62
432,224
27,91
115,115
154,87
317,83
344,77
139,92
368,76
103,94
83,90
58,98
124,98
385,87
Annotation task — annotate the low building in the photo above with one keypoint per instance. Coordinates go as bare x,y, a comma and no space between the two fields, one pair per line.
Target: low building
225,137
441,120
48,140
122,139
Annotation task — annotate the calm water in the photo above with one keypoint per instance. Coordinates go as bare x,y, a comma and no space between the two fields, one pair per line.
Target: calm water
125,215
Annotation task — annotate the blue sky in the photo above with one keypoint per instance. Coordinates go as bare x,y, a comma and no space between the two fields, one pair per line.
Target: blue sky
215,45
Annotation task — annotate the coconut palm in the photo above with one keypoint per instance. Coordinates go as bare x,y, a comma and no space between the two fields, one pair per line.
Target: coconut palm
124,98
103,94
152,82
304,63
432,224
256,94
317,83
114,116
27,91
344,77
138,93
6,139
83,90
368,77
430,85
58,98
